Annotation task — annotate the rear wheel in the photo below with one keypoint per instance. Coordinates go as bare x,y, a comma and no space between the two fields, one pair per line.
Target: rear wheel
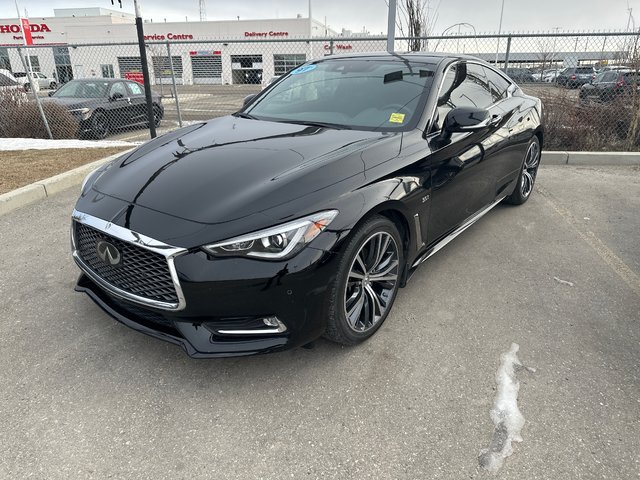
99,125
527,177
367,282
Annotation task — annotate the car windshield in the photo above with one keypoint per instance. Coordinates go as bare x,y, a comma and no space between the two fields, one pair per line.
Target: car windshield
364,94
80,89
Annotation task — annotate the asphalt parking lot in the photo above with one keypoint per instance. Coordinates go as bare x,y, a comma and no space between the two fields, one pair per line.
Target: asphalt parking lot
84,397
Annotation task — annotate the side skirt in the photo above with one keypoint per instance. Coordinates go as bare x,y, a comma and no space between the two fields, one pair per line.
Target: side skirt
442,243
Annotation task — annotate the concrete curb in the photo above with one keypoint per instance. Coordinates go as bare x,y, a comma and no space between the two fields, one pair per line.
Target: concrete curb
42,189
591,158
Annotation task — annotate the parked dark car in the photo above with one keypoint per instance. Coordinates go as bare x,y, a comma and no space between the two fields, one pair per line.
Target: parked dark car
521,75
103,105
610,85
575,77
303,213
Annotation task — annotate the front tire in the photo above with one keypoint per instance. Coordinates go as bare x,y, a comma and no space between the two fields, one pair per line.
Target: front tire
528,173
99,125
367,282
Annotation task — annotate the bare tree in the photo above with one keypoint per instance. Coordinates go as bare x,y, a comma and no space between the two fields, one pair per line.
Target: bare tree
416,20
545,55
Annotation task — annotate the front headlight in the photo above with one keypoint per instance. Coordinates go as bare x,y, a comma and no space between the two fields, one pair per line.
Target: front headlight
276,242
81,112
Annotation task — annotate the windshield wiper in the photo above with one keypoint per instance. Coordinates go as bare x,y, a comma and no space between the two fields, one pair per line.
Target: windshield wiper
244,115
336,126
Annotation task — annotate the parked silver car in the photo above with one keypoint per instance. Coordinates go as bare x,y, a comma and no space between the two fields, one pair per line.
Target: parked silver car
43,80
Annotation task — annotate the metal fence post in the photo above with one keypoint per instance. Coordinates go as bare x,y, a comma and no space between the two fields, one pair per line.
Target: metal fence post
173,80
391,26
331,47
506,55
35,94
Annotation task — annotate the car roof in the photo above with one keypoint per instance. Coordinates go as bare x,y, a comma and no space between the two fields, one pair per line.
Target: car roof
430,57
100,79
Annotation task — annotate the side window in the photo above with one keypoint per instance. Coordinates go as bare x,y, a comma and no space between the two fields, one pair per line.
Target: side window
498,85
136,88
472,91
118,88
443,101
610,77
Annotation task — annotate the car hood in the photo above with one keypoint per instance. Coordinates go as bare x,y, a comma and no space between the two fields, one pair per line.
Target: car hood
230,168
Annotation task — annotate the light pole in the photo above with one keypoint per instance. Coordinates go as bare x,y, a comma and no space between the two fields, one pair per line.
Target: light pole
499,32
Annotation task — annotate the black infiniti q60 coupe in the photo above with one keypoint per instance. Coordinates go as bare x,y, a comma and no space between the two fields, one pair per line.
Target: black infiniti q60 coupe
303,213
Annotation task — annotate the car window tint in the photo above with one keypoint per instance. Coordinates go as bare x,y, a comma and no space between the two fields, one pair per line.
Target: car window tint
610,77
473,91
83,89
359,93
118,87
585,70
498,85
136,88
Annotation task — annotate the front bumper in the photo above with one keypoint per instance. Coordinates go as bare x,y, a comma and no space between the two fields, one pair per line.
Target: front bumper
233,294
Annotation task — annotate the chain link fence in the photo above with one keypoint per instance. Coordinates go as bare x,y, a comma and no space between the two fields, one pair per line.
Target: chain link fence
587,81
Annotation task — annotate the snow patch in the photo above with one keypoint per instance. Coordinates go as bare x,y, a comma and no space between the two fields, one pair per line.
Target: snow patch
46,144
505,414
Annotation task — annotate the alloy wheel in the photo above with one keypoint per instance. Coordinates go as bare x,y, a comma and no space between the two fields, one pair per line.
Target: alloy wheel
100,125
372,282
530,169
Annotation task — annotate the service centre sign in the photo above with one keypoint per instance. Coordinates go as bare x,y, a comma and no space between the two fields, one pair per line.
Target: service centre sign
169,36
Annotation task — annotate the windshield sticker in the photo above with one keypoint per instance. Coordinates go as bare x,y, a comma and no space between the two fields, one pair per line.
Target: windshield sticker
397,118
303,69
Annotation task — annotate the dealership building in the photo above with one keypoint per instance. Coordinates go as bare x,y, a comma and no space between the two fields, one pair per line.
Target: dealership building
209,52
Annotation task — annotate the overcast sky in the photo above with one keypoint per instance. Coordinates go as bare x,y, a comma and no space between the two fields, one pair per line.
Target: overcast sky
520,15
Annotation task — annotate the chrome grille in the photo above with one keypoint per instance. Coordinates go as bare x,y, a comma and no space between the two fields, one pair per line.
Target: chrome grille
141,272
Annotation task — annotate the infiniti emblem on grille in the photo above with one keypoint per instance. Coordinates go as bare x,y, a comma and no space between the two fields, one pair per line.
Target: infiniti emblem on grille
108,253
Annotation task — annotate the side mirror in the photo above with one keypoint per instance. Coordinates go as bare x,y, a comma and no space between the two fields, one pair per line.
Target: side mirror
116,96
248,99
467,119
